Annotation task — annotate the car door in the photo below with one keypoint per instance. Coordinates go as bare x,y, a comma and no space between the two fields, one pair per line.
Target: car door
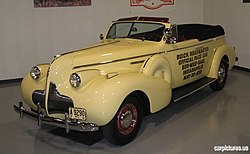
188,59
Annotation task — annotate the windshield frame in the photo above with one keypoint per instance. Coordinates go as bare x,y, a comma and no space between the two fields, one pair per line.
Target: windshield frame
129,36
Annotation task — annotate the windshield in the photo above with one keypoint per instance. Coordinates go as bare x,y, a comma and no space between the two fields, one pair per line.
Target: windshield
136,30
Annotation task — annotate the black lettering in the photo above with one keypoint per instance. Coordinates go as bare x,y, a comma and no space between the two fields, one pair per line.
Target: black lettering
201,61
183,55
198,72
204,54
193,64
185,66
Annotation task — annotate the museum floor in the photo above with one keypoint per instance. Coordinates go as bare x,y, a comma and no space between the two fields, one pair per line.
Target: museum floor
193,125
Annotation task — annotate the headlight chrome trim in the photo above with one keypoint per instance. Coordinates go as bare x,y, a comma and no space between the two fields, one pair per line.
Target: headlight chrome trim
35,73
75,80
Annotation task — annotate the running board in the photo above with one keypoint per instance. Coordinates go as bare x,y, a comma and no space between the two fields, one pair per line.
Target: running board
191,88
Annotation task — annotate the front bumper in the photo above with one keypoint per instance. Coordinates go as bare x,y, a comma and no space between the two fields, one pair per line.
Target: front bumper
66,123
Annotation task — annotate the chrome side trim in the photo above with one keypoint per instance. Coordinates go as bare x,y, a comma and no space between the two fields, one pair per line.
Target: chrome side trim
99,45
117,60
66,123
137,62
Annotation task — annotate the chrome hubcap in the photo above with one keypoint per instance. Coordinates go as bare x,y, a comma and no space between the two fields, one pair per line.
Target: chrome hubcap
127,119
221,73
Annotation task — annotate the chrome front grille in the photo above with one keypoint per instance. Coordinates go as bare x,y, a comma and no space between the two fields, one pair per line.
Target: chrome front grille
58,103
38,96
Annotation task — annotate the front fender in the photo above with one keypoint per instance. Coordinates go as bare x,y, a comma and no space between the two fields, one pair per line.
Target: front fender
220,52
29,85
103,97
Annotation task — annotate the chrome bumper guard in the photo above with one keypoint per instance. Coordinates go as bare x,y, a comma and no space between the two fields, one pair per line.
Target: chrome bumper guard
66,123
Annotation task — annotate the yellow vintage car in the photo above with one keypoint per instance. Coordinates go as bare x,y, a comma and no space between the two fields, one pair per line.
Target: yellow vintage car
141,65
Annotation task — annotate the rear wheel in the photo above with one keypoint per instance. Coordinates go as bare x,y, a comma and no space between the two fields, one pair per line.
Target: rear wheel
125,125
219,83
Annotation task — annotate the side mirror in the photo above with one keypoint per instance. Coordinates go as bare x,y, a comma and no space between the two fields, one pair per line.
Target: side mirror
172,40
101,36
168,34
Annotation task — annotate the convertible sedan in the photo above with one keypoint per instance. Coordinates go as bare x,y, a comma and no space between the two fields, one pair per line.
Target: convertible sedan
141,65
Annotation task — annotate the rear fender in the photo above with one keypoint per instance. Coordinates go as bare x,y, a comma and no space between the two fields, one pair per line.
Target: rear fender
220,52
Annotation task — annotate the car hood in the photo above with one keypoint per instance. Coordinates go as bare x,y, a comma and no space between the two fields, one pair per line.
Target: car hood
114,50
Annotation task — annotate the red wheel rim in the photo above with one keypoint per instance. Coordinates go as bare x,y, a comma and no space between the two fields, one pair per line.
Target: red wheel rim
127,119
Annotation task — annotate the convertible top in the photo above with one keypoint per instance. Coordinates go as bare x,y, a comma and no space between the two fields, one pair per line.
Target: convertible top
199,31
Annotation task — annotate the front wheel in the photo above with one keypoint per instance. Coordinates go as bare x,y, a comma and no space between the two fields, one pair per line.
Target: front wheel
125,125
219,83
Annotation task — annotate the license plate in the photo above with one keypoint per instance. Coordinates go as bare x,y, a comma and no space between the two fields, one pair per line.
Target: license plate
77,113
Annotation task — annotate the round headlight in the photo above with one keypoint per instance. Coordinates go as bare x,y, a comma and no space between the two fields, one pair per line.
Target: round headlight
35,73
75,80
